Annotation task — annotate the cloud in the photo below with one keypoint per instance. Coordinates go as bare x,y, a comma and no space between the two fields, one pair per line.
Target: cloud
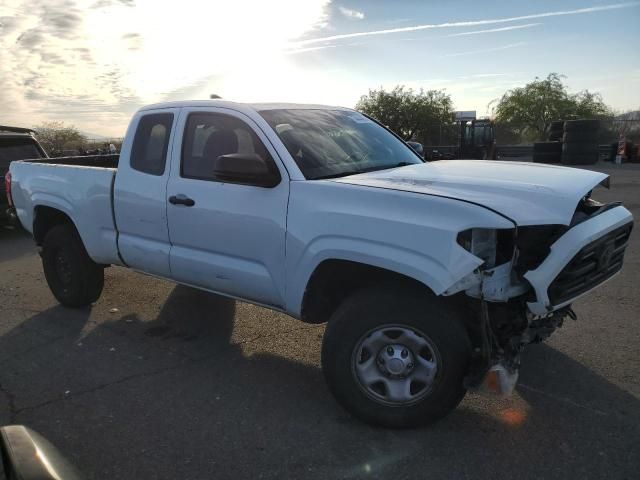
133,40
49,71
471,23
309,49
491,30
110,3
487,75
93,62
62,23
485,50
353,14
8,24
30,39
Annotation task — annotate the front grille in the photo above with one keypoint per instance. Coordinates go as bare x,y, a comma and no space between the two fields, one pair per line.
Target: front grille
595,263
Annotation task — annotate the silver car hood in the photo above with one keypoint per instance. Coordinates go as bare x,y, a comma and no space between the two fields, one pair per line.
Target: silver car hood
527,193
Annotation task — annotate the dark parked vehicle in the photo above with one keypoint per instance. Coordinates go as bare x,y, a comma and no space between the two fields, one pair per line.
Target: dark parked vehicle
15,144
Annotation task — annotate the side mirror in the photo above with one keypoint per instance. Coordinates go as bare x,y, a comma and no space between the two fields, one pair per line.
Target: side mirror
26,455
246,169
417,147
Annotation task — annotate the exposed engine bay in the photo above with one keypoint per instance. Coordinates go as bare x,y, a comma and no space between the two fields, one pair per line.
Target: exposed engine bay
502,333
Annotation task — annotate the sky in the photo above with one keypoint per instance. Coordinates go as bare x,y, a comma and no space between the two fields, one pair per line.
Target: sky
92,63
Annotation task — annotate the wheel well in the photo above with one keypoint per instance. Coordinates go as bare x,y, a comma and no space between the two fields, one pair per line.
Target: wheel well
334,280
45,219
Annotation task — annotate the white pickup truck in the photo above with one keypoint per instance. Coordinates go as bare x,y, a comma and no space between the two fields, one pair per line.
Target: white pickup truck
431,276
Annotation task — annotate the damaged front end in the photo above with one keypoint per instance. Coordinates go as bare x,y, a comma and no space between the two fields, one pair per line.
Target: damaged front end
530,276
503,331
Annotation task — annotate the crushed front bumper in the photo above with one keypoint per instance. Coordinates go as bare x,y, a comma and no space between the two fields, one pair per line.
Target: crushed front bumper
586,256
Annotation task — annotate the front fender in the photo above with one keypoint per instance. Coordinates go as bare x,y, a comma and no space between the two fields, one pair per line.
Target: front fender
407,233
437,274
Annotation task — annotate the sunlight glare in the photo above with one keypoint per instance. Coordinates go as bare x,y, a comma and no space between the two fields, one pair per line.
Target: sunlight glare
161,47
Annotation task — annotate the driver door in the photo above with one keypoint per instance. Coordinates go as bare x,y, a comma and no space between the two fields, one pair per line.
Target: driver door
225,237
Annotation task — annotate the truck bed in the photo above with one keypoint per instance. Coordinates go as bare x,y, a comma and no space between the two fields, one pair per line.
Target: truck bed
81,187
101,161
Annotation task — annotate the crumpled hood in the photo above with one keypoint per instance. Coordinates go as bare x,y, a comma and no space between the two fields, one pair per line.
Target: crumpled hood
527,193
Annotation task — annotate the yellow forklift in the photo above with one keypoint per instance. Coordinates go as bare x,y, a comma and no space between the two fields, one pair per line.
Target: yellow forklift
476,138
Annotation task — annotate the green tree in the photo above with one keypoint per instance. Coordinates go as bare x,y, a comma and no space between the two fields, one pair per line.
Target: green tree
408,113
529,110
56,137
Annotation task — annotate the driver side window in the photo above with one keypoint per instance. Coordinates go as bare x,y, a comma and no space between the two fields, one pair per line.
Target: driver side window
210,135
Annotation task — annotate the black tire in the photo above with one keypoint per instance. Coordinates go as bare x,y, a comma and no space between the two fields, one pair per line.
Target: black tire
557,126
74,279
613,151
580,148
587,159
581,125
547,147
555,136
580,137
547,157
393,307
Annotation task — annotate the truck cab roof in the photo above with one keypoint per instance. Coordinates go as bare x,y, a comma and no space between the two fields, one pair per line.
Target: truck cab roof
239,106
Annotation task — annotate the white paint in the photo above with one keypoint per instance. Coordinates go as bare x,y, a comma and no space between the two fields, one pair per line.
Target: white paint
263,244
528,193
564,249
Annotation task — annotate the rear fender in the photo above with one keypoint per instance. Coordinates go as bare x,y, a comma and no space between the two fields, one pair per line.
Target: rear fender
28,214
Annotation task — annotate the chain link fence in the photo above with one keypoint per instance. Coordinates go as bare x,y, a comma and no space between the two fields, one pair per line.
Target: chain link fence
613,130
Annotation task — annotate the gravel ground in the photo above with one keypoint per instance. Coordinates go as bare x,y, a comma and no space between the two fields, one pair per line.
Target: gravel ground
158,381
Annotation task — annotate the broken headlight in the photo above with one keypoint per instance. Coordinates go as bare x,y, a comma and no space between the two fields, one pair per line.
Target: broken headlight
494,247
534,245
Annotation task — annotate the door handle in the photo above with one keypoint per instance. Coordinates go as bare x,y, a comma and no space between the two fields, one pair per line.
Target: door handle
181,200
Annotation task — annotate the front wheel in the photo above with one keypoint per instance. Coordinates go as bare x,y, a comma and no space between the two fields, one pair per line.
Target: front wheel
396,358
74,279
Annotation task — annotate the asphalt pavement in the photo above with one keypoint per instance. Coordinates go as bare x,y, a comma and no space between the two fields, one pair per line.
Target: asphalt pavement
157,381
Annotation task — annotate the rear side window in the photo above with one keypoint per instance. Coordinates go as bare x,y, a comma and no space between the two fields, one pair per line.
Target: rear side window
149,152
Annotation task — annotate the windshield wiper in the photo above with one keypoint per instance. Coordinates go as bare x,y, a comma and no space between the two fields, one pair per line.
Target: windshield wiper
341,174
362,170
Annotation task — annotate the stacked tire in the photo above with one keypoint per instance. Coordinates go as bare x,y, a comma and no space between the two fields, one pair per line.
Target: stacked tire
556,131
547,152
580,142
634,156
613,151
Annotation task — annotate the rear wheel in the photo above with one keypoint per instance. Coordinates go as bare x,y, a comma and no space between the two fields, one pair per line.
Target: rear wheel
395,358
74,279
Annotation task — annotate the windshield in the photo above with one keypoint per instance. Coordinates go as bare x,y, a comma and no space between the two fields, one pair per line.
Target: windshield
335,143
